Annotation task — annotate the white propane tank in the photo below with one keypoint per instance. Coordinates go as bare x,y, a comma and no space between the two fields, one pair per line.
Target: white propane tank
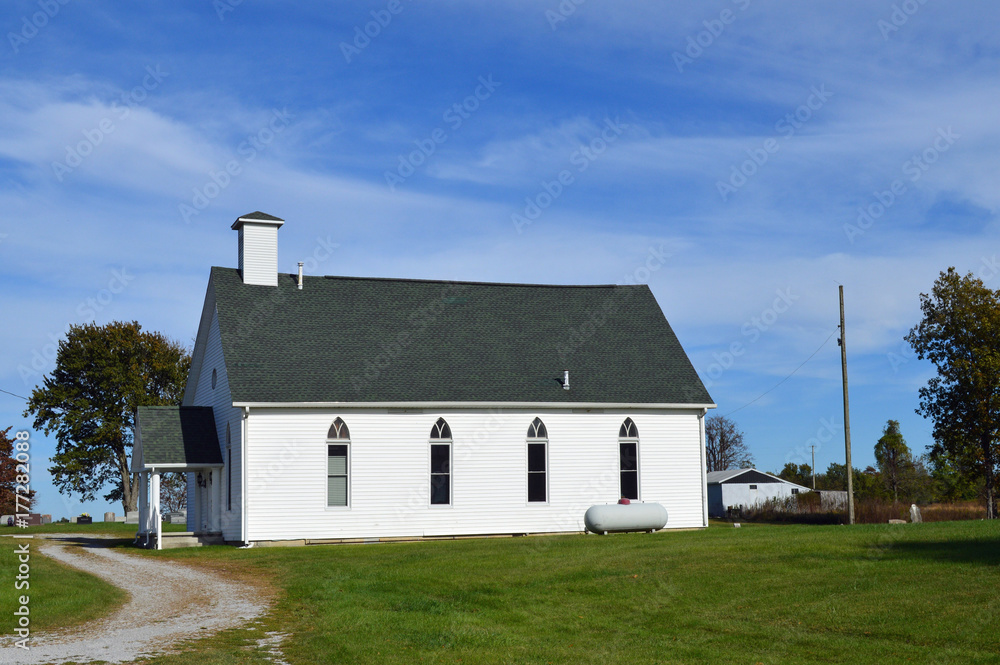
625,517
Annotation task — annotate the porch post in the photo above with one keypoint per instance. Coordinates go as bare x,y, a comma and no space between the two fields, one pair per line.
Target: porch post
155,512
216,499
143,500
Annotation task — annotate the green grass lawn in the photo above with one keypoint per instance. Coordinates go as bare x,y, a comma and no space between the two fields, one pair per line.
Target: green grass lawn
768,594
117,529
51,606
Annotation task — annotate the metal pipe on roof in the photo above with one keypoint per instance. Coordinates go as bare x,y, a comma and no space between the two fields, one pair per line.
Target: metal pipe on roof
300,275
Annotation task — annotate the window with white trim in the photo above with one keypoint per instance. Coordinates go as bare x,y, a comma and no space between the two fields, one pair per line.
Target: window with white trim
441,463
628,460
338,448
538,440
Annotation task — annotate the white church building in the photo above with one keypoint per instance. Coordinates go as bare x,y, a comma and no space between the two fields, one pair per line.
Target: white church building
340,409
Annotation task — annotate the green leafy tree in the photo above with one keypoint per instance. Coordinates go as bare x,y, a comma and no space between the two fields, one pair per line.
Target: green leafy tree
960,335
9,477
800,474
724,446
921,487
867,484
950,481
895,462
102,375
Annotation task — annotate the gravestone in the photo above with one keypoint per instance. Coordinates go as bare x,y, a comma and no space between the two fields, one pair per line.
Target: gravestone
915,516
109,517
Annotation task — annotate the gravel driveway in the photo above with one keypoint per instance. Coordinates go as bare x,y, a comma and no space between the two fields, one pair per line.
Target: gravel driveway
168,602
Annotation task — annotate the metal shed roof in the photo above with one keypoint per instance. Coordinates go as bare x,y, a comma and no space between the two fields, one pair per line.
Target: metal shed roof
739,476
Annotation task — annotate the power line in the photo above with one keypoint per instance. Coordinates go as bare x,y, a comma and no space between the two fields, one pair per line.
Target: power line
14,394
787,377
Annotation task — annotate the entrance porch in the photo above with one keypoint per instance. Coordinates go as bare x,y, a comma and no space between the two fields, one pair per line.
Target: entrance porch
178,439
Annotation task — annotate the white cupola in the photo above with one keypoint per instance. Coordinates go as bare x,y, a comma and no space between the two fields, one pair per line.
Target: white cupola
259,248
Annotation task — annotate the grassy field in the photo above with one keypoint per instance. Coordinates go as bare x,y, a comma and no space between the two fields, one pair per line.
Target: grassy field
51,605
765,594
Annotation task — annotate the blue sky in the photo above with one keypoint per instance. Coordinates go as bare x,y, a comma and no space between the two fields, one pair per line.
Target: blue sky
772,149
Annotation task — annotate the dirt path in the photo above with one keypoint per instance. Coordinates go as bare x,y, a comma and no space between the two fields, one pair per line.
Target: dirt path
168,602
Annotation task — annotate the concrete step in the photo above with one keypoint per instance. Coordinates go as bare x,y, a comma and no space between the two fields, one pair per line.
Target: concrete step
176,540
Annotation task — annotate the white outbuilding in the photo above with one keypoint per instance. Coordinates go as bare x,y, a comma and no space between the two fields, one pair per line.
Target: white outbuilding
737,488
360,409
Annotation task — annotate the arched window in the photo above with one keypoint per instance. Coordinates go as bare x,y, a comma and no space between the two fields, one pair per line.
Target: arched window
440,463
338,449
628,459
229,468
537,462
536,430
441,430
338,430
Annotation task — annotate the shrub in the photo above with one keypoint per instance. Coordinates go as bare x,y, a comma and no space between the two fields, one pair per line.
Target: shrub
806,508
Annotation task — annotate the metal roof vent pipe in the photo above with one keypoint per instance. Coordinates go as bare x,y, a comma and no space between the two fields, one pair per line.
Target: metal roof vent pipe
566,379
300,275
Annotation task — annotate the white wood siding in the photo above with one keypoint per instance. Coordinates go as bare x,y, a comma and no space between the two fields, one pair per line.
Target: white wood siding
259,254
390,471
739,494
221,401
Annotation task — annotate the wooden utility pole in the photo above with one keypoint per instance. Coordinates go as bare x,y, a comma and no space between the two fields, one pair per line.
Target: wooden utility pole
814,465
847,413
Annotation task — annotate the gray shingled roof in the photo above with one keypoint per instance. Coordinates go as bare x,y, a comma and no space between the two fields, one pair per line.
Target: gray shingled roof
178,435
345,339
256,216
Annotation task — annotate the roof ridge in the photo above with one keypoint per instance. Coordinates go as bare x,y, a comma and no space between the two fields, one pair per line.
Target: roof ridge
446,281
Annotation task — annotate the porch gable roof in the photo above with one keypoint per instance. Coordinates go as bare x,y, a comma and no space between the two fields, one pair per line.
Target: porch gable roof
175,437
